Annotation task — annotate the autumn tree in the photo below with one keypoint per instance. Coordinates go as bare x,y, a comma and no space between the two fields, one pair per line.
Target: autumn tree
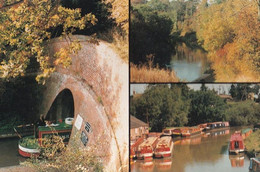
229,31
26,30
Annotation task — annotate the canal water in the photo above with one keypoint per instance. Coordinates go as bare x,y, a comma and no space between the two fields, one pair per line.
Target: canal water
189,64
9,155
208,152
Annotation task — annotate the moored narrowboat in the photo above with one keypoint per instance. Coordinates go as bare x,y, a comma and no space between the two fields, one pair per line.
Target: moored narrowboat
167,131
189,131
164,147
217,125
30,145
146,149
134,147
246,132
236,144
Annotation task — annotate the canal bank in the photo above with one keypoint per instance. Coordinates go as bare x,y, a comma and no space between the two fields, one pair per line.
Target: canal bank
207,152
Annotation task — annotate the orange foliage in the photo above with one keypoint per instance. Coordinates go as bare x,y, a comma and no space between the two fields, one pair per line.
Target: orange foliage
230,32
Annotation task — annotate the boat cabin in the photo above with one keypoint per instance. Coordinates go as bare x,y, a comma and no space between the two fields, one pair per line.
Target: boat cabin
236,144
30,145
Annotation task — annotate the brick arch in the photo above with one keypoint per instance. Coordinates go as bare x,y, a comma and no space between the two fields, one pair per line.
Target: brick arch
62,107
100,93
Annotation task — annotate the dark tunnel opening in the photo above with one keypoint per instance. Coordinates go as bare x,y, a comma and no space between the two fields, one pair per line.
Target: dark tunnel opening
62,107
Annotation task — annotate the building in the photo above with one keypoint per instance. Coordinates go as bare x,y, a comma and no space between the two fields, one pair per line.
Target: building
138,128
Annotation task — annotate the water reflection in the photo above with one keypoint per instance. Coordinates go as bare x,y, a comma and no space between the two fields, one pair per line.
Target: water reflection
164,164
189,64
206,152
237,160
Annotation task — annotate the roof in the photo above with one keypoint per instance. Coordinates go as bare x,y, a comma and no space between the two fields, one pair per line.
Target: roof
136,123
236,137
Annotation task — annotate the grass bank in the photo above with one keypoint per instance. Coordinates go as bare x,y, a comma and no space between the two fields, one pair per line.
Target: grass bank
145,73
253,143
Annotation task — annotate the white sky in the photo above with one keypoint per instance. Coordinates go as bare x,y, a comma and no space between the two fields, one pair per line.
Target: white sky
221,88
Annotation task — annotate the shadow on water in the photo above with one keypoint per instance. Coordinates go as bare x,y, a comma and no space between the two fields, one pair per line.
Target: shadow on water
9,155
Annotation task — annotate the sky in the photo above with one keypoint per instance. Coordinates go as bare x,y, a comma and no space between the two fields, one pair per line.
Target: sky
221,88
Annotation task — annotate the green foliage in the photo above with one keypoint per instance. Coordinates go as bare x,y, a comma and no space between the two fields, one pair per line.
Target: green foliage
55,156
253,142
243,113
149,35
161,107
98,8
29,142
20,100
206,106
27,29
242,91
165,106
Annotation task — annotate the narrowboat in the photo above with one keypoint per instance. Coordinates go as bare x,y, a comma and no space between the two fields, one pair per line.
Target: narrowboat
217,125
254,165
30,145
146,149
236,144
202,126
167,131
164,147
134,146
246,132
189,131
176,132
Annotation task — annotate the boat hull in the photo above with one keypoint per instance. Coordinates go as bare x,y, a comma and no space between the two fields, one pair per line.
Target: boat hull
237,151
27,152
145,155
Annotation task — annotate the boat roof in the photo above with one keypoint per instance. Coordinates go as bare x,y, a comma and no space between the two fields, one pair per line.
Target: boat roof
149,141
61,126
165,140
236,137
246,130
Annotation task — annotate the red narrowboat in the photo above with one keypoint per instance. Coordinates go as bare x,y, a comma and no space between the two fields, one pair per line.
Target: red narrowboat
146,149
134,146
164,147
176,132
236,144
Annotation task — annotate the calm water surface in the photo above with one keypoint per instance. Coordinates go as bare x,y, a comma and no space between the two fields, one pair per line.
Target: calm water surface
206,153
189,64
9,152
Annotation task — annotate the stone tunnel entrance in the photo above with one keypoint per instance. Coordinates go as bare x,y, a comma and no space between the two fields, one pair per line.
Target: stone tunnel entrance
62,107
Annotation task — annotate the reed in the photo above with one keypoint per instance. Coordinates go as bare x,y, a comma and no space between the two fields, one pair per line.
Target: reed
147,73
